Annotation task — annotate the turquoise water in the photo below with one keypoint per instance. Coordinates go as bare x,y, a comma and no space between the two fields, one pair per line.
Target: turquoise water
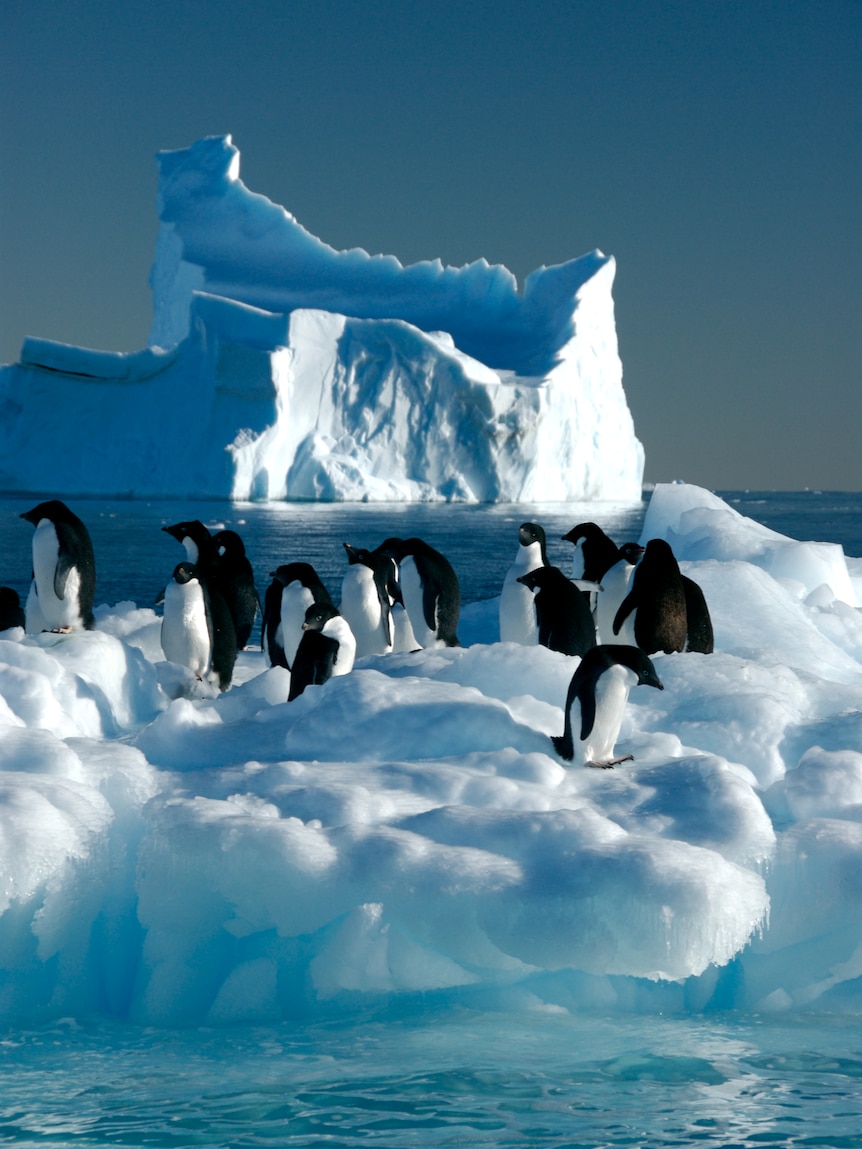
467,1079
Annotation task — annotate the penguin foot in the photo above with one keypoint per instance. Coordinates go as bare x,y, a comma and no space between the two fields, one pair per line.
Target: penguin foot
613,762
61,630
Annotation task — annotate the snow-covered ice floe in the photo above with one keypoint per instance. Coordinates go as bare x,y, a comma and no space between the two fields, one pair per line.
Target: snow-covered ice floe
407,829
281,368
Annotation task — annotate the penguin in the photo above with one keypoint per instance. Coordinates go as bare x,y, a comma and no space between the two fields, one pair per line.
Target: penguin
596,701
657,597
699,624
617,583
595,553
517,606
11,610
197,541
564,618
233,578
429,590
327,649
64,567
294,588
197,627
368,590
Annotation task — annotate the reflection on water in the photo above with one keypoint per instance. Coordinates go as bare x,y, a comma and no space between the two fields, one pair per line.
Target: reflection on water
472,1079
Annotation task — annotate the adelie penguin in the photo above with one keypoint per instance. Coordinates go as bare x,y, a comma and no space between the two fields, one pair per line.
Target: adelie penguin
596,702
197,627
595,552
233,576
294,588
564,619
429,590
616,583
327,649
64,567
517,609
657,597
368,590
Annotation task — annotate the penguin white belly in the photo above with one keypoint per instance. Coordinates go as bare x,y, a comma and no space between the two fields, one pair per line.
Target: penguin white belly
58,613
403,638
339,629
411,592
578,561
35,619
295,601
612,692
185,635
617,583
517,603
360,605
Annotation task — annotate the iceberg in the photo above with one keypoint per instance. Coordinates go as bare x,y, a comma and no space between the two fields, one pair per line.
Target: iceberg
280,368
404,836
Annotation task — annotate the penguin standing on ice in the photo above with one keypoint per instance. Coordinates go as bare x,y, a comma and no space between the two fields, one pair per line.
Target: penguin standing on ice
517,606
564,618
617,583
197,626
327,649
657,597
294,588
11,610
233,577
64,567
429,590
596,701
368,589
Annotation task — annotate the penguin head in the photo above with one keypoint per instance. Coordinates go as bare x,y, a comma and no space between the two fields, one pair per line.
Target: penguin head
53,510
584,531
185,573
639,663
529,533
632,552
195,537
318,615
358,555
228,544
533,579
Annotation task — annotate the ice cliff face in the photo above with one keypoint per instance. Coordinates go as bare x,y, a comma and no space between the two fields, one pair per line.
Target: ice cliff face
281,368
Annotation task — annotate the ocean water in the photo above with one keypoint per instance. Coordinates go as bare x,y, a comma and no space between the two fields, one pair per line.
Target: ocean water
502,1075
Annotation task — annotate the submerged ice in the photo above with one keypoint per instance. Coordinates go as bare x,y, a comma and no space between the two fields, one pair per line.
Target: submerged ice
281,368
407,828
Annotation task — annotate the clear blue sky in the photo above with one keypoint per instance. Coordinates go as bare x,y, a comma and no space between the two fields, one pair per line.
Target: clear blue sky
712,146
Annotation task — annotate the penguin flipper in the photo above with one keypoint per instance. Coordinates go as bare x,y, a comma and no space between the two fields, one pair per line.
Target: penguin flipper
626,607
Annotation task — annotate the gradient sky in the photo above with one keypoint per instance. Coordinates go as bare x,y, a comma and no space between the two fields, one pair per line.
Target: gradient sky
712,146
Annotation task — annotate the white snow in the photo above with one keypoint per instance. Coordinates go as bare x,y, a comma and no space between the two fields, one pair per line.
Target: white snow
407,827
281,368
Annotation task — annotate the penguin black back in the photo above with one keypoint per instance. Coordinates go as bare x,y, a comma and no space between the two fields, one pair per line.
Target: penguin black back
564,618
658,596
233,577
317,652
700,633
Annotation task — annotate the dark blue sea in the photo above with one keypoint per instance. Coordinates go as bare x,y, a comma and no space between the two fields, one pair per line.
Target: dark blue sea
427,1076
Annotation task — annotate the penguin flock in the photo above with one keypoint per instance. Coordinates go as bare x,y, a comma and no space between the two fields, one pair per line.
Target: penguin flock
619,606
